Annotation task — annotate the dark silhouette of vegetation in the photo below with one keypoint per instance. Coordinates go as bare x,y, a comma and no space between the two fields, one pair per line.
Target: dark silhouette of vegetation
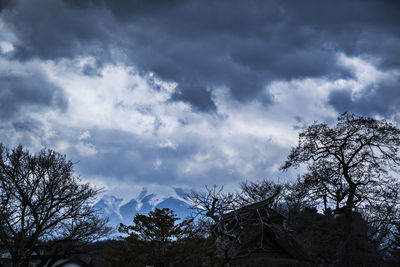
330,239
157,239
335,240
44,209
350,171
395,250
348,164
234,220
345,209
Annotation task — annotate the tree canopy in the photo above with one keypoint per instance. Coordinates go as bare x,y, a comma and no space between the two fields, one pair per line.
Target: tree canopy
158,239
353,167
44,208
349,161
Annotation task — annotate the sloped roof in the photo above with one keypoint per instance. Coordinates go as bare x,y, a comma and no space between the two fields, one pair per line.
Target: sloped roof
257,231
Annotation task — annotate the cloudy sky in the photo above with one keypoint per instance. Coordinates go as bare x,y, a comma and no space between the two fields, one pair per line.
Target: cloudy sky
187,93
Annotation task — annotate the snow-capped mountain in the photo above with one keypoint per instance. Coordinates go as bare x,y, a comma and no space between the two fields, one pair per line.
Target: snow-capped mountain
109,207
117,212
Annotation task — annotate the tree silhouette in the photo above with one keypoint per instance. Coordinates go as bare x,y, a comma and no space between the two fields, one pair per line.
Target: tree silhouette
348,162
157,239
44,208
351,168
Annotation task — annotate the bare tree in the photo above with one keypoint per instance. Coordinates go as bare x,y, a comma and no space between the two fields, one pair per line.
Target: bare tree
44,208
210,204
213,202
218,211
352,167
348,160
264,190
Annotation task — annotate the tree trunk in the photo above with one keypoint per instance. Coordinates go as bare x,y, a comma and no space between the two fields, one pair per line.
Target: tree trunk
352,188
350,198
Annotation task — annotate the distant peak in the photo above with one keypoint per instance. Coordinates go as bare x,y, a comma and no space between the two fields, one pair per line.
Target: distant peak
180,192
142,193
111,198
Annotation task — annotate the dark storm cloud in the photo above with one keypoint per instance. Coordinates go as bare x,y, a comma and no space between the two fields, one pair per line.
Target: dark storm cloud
5,4
50,30
201,45
382,98
32,91
200,97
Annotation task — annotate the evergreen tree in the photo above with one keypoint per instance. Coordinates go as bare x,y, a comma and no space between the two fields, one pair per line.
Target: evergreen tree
157,239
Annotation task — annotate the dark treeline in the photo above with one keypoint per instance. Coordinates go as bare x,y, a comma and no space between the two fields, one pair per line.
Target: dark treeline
343,211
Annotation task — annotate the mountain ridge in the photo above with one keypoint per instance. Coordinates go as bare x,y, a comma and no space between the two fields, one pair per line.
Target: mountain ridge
117,211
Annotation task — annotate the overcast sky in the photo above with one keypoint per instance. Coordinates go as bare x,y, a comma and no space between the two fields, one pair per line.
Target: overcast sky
187,93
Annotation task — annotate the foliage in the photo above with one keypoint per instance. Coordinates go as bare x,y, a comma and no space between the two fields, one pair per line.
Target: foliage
157,239
334,239
44,208
395,249
351,168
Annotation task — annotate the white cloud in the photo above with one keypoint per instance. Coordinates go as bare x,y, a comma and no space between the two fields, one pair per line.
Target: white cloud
7,39
245,140
168,144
